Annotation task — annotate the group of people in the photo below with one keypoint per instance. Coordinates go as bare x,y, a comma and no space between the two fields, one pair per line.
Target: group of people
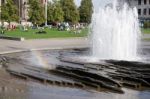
74,28
64,26
9,27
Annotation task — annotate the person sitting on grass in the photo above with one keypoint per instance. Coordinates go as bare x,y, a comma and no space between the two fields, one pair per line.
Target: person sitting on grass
25,28
41,31
75,29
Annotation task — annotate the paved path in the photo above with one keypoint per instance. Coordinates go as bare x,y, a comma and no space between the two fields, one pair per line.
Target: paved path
9,46
146,36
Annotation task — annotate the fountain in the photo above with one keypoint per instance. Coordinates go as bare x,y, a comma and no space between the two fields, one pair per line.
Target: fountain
115,32
115,35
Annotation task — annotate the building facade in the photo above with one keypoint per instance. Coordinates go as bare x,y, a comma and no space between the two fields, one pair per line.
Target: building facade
143,7
23,9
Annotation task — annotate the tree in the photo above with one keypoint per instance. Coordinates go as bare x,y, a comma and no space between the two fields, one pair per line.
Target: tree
146,24
9,12
58,12
50,11
55,12
71,13
36,12
86,10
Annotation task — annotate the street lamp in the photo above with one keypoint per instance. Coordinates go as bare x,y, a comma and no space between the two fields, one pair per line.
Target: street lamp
45,12
19,13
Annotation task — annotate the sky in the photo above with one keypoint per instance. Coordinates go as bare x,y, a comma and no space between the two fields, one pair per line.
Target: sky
96,3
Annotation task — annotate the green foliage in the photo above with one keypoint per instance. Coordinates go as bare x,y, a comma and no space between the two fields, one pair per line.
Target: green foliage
86,10
50,11
4,13
36,12
146,30
71,14
55,12
51,33
58,12
147,24
9,11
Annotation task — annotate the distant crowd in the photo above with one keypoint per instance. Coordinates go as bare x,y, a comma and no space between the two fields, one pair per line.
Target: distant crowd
24,26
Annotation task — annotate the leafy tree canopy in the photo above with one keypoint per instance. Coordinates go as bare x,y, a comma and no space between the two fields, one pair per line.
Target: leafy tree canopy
9,11
55,12
71,14
86,10
36,12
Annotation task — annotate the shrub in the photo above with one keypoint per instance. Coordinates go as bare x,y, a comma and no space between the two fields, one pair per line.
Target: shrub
147,24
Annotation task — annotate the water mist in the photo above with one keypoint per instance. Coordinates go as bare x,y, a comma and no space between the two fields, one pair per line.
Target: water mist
115,32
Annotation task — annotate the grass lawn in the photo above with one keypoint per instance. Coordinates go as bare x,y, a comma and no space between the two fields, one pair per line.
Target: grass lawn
146,31
51,33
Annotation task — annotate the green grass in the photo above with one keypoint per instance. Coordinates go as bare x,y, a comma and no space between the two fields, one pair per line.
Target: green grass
51,33
146,31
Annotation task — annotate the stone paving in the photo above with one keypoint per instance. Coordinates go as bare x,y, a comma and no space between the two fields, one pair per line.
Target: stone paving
9,46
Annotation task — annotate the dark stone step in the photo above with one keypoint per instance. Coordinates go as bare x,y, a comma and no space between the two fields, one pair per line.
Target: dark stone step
131,85
131,79
143,70
90,75
42,77
87,81
129,64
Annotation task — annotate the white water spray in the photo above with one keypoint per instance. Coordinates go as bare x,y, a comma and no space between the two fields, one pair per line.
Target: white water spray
115,32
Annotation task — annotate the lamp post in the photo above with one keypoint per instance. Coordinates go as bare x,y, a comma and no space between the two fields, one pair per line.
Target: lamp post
19,13
45,12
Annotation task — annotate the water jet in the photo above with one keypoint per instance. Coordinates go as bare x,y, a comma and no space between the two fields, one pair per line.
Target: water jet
115,32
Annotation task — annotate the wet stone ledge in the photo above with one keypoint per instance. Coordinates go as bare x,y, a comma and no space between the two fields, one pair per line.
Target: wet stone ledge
101,77
12,38
128,74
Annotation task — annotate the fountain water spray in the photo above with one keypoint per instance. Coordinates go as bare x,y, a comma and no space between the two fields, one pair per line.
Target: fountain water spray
115,32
